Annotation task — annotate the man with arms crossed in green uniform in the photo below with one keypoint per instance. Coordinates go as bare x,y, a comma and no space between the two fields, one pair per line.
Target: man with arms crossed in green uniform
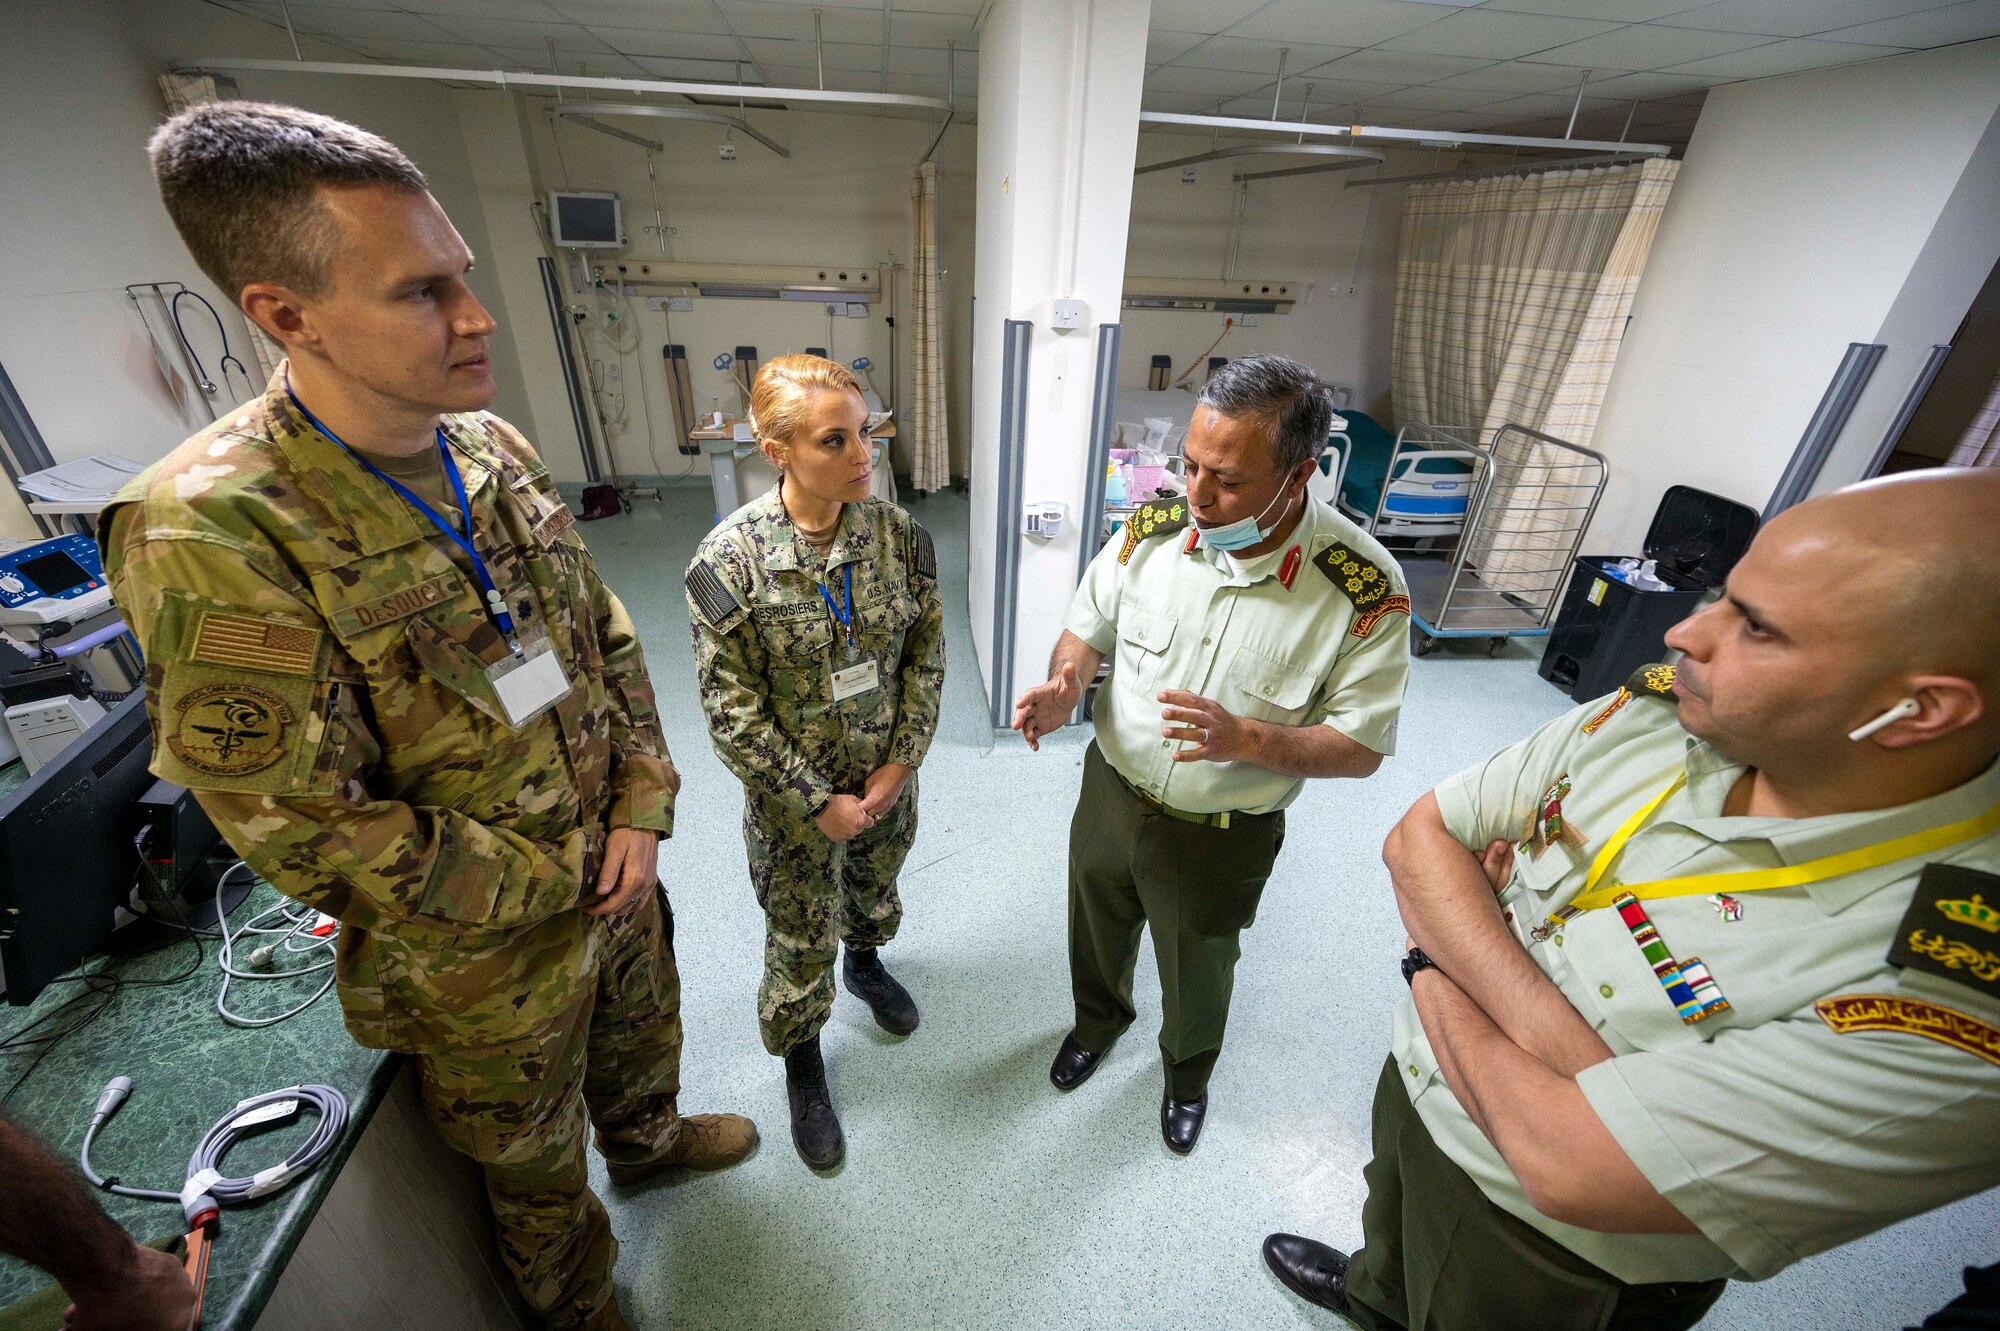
1260,639
1705,976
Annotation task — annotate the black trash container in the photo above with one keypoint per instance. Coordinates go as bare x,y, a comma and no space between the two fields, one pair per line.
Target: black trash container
1606,628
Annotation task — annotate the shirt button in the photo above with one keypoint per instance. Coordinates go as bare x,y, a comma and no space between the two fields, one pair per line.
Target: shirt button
1206,641
1605,990
1558,940
1413,1069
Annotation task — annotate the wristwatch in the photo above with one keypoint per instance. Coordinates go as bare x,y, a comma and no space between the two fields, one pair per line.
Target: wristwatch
1416,961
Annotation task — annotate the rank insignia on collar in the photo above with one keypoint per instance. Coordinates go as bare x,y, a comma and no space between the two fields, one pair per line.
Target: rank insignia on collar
1546,824
1728,907
1289,570
1591,726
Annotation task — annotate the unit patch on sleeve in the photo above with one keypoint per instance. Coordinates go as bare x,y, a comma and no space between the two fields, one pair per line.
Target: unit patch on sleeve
1952,928
229,729
1849,1013
255,644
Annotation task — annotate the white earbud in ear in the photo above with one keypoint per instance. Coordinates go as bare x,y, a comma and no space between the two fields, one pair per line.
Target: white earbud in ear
1906,708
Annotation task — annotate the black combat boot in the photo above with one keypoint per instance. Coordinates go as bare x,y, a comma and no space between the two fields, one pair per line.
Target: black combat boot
895,1011
815,1127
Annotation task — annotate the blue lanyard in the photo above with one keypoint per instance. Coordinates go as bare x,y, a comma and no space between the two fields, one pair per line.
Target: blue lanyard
846,615
496,604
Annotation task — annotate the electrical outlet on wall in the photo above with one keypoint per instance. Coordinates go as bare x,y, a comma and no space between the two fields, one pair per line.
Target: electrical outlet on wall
613,372
1251,320
857,309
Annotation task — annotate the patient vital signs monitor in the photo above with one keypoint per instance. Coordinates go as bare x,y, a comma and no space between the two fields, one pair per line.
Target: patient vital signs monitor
585,221
57,579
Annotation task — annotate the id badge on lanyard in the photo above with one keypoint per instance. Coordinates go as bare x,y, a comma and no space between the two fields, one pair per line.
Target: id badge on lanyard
529,679
856,677
529,682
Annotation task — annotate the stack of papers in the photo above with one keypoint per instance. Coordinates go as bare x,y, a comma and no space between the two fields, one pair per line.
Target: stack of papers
91,480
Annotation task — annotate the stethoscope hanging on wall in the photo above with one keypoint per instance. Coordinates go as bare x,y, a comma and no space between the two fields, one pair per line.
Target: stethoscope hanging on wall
193,370
202,381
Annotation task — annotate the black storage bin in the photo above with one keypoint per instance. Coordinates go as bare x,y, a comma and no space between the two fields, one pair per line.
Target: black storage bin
1606,628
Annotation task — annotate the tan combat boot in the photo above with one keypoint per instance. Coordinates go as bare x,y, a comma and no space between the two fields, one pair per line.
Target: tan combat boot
705,1142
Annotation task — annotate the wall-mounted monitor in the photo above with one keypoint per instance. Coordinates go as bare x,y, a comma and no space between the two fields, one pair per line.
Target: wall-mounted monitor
585,220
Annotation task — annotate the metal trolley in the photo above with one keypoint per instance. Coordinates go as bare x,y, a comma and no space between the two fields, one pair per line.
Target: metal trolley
1531,499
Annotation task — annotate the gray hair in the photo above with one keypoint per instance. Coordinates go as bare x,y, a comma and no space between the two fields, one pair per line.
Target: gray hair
1299,403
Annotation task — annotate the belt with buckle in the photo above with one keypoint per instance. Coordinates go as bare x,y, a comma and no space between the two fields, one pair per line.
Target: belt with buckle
1221,820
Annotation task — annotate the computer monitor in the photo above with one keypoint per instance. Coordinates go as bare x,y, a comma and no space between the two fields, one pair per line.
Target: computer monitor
585,220
67,861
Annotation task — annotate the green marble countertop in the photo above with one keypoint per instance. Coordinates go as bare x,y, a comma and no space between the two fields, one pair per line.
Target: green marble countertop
189,1068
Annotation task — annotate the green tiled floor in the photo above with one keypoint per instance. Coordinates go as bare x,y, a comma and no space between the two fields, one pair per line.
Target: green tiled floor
975,1196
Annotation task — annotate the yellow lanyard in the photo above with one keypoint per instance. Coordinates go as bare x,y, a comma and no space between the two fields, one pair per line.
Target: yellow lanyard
1907,846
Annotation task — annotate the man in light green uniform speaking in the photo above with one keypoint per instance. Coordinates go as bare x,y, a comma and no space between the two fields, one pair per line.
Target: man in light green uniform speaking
1260,639
1705,975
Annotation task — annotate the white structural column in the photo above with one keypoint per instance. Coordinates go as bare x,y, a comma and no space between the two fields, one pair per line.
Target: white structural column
1059,87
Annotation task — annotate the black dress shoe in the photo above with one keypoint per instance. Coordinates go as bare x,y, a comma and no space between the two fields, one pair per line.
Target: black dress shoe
1073,1064
1180,1122
1309,1269
895,1011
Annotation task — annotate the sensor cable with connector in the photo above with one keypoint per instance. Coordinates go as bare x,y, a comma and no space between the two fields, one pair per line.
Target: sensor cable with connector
207,1190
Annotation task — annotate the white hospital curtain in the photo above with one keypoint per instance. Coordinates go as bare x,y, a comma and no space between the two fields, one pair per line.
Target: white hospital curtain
1979,446
1512,295
930,442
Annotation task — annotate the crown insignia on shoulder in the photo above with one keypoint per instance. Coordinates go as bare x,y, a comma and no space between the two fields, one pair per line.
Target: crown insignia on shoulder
1974,912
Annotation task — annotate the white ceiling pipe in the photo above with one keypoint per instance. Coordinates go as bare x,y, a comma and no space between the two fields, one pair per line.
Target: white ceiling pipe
507,79
584,111
1448,137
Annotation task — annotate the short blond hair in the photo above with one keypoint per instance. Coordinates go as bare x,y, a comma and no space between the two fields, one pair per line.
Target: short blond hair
783,388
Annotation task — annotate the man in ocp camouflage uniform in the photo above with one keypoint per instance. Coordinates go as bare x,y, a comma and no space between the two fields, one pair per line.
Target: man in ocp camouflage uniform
324,672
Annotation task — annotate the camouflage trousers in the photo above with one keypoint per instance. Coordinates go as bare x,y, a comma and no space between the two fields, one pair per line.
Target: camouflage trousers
520,1109
817,895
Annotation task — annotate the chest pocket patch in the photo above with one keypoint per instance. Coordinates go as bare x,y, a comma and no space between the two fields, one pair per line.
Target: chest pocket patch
1274,688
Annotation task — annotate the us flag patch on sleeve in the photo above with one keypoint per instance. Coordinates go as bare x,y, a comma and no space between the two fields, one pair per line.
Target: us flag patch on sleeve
255,644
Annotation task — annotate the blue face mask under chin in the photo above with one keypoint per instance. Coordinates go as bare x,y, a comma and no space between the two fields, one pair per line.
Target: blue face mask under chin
1244,532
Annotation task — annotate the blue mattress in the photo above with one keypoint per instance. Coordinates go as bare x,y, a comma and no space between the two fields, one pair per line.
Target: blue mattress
1369,449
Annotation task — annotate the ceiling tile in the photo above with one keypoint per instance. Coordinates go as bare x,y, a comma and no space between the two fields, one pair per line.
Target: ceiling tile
1645,87
507,32
1495,36
1164,46
1213,82
839,55
1399,67
1336,22
1516,76
1347,92
1794,18
911,28
1613,11
682,45
529,10
1535,104
1933,27
1433,99
1206,16
1644,46
1180,103
1784,57
1259,57
371,25
763,18
450,55
664,15
703,71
